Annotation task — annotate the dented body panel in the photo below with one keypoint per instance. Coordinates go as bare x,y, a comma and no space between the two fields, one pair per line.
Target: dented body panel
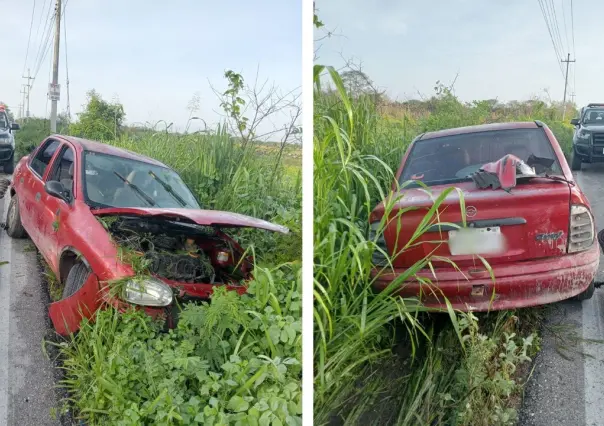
70,232
532,216
517,285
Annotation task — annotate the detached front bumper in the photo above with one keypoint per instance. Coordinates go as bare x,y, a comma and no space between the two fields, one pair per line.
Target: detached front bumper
517,285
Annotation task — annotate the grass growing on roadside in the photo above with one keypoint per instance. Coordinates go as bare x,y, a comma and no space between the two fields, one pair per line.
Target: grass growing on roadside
235,360
380,350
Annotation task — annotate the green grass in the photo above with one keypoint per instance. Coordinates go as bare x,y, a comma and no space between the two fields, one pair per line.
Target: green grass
381,359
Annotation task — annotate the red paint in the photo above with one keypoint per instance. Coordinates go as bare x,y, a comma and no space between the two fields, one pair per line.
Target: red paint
517,285
67,314
80,233
527,264
200,217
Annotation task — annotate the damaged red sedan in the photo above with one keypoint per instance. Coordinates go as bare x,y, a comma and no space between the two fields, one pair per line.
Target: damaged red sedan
121,229
524,214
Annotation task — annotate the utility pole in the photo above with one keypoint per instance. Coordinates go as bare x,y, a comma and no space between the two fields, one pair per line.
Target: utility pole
54,93
20,110
23,92
29,78
568,61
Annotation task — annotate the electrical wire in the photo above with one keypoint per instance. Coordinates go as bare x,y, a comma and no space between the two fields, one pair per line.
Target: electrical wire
31,25
558,57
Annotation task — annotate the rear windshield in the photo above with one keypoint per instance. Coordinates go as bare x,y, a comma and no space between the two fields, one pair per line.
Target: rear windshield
451,159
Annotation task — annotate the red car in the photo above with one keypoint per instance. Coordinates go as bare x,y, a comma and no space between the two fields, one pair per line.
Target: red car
121,229
525,215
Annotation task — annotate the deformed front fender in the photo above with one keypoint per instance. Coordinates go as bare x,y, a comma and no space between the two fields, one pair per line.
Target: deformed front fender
67,314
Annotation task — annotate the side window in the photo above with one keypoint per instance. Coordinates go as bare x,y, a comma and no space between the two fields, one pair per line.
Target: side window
43,157
63,170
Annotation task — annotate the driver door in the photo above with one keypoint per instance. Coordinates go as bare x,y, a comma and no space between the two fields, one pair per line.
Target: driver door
54,210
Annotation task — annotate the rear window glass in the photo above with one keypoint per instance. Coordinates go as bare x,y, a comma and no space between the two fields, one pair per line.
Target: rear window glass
451,159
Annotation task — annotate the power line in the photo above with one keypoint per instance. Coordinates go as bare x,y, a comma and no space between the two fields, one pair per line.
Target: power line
31,25
44,31
556,26
565,29
558,56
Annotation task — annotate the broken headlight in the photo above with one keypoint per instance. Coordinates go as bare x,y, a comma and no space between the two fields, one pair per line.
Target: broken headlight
583,134
147,292
581,233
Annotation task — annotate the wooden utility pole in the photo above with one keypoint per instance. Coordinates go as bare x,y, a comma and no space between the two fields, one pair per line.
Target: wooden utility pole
54,92
568,61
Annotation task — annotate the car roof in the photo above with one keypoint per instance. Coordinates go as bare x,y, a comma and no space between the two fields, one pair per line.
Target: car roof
103,148
479,128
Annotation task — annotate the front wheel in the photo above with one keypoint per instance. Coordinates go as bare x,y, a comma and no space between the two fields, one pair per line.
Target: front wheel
14,227
575,162
76,278
588,293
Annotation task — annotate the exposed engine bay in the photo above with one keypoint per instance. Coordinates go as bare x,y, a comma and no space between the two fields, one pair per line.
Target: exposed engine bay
177,250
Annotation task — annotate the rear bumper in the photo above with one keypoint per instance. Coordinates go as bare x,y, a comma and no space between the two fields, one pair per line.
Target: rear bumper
517,285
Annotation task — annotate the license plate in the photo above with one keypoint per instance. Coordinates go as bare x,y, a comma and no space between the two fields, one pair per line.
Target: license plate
468,241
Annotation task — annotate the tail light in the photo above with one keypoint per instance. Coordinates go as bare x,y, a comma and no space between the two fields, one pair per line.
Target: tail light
582,230
378,257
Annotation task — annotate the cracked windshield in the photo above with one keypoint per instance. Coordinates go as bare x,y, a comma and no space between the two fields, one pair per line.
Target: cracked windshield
151,213
458,164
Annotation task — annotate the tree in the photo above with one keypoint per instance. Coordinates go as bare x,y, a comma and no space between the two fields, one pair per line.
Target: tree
101,120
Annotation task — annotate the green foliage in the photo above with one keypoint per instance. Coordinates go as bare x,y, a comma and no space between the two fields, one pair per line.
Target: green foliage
101,120
233,361
233,102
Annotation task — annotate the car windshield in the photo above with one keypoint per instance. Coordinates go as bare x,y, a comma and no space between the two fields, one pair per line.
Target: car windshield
594,116
112,181
450,159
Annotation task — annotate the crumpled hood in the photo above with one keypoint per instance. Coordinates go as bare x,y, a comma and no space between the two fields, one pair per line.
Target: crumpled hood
200,217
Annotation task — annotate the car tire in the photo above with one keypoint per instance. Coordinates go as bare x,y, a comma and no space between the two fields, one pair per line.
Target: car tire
76,278
588,293
9,166
14,227
575,162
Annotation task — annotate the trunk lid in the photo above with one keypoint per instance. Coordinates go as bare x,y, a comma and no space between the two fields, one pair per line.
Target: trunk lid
533,218
201,217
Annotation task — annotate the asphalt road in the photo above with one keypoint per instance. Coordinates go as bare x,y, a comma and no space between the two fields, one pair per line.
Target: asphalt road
27,385
567,383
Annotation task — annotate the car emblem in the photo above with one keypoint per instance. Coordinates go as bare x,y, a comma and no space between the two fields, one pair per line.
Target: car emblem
471,211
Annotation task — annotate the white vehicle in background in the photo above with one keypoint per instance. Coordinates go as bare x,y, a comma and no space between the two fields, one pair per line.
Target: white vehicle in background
7,141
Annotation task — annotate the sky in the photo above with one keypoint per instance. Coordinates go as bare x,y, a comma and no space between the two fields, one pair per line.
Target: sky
499,49
153,56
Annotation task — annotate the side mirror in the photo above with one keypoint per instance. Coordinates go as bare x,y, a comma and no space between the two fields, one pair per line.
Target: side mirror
56,189
574,121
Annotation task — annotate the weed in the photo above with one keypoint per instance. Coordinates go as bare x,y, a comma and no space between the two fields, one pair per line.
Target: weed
235,360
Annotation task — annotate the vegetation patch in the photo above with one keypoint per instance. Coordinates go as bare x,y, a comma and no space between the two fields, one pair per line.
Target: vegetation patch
381,359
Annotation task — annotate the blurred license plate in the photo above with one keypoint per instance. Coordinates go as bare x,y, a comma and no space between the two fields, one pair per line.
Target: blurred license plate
476,241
